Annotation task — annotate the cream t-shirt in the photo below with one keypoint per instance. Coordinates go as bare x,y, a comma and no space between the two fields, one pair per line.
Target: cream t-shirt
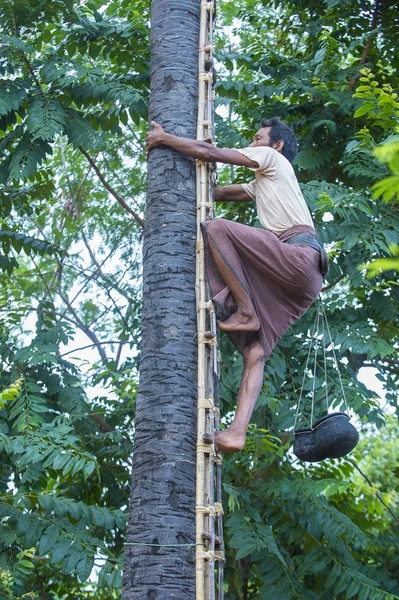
279,200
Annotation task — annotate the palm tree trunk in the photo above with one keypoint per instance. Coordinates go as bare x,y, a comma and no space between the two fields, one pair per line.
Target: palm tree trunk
161,512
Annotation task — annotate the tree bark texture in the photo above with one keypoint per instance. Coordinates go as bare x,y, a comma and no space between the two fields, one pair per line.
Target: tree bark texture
162,500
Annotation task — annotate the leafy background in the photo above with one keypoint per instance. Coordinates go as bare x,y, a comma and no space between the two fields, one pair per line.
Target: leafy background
73,114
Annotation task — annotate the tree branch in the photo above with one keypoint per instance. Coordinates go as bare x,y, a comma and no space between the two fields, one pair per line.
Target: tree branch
368,44
371,485
40,582
94,345
110,189
78,321
331,285
31,71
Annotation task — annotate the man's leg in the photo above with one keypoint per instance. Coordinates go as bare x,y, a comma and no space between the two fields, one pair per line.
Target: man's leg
244,319
233,438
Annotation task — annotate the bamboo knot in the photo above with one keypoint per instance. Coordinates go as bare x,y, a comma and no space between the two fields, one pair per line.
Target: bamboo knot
206,449
204,305
208,404
205,77
205,205
208,48
209,555
216,510
207,337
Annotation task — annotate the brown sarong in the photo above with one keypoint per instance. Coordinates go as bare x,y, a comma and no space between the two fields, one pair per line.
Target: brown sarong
282,280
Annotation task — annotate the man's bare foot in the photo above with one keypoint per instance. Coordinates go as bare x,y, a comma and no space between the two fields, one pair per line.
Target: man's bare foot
229,441
240,322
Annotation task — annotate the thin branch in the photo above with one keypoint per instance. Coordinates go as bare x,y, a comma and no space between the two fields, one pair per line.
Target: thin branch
57,274
101,422
90,334
63,160
93,277
31,71
366,50
118,354
390,368
80,326
371,485
89,278
110,189
83,181
331,285
391,361
92,255
48,290
106,427
93,345
107,279
139,143
40,582
116,176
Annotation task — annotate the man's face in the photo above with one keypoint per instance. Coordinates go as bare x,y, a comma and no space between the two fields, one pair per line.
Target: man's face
261,137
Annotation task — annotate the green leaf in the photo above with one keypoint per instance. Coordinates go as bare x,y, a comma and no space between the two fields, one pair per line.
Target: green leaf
387,189
60,550
60,461
85,566
364,109
71,560
12,95
79,131
15,42
48,539
88,469
46,502
45,118
28,155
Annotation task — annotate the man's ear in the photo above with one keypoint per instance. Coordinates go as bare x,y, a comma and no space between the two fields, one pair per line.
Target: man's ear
279,146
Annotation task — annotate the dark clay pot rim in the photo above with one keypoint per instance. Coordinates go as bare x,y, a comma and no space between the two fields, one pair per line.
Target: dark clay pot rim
321,421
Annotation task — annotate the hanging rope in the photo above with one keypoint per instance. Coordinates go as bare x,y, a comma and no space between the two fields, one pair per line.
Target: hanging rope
209,511
320,328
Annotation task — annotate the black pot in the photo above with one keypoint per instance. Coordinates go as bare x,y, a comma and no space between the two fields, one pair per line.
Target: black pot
332,436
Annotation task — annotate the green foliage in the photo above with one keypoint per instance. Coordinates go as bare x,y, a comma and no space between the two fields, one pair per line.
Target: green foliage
77,75
301,61
378,102
71,76
388,189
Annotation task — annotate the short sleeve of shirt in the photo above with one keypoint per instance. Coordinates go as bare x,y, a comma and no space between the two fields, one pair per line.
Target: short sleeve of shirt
264,156
250,189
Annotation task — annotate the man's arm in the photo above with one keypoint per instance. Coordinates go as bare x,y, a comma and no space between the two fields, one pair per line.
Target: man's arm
200,150
231,193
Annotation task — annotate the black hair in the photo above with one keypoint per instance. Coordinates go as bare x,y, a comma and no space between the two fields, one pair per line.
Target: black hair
280,131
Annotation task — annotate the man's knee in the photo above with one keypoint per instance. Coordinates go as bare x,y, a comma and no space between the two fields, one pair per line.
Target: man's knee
254,352
216,226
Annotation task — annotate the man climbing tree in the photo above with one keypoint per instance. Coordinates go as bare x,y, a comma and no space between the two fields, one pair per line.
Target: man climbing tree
262,280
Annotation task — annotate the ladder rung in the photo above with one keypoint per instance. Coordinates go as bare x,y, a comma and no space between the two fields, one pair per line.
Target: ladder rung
207,403
206,448
209,555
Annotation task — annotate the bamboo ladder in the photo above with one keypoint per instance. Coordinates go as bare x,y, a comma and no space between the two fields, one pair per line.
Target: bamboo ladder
209,512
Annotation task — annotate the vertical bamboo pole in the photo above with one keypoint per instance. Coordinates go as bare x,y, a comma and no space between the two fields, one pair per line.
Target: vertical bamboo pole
200,500
208,505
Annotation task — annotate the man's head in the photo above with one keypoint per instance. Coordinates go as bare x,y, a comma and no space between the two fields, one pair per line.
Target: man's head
274,133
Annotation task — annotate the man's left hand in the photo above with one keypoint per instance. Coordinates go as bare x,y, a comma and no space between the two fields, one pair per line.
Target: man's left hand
154,136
